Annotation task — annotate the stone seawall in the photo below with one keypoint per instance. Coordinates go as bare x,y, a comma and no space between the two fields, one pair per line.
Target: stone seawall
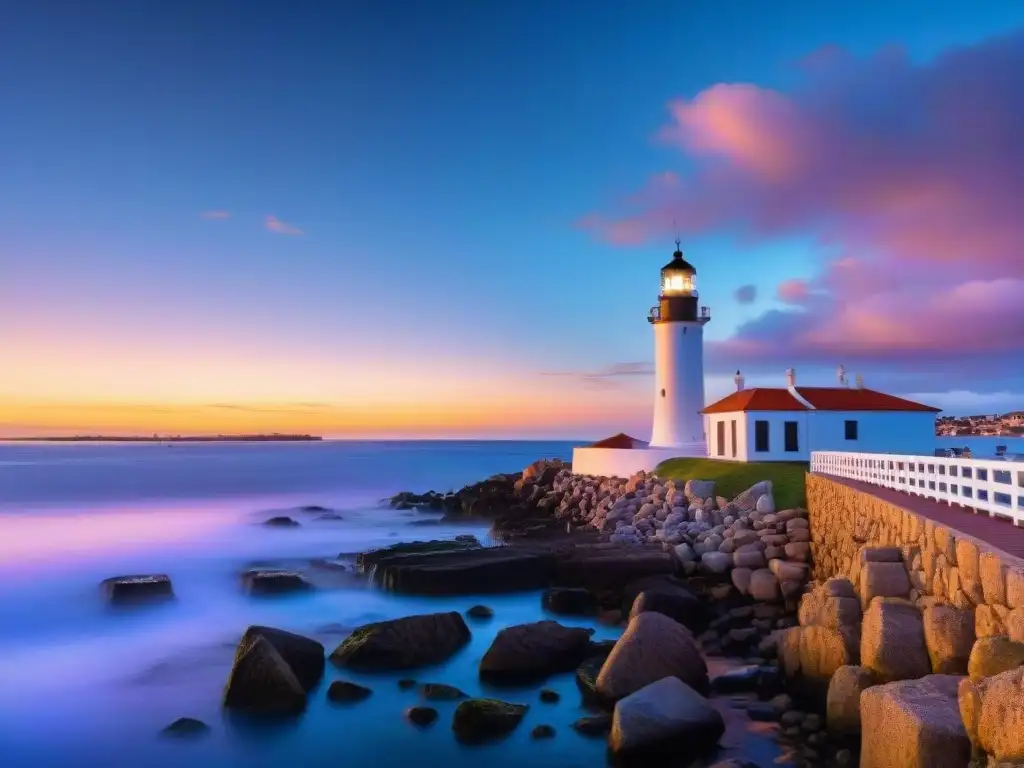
944,566
916,630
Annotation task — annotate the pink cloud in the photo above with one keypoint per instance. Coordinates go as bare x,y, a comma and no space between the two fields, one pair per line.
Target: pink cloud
274,224
219,214
793,291
917,170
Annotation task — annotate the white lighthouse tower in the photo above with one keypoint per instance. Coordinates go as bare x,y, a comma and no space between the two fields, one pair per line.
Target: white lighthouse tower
678,324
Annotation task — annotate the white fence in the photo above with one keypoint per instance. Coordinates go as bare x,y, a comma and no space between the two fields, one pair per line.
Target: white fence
994,487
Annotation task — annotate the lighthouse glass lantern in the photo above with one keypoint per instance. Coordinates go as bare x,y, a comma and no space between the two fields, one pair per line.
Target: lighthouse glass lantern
678,277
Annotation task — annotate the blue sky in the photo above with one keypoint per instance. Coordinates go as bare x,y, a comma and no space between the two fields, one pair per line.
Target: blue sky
435,158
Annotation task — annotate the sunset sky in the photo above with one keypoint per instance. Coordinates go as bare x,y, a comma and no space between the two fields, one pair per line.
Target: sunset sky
446,218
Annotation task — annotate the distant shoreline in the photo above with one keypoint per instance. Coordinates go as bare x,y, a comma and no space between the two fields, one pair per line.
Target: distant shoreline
174,439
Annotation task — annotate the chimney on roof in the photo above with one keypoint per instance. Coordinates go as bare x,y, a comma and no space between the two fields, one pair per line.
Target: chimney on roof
860,381
790,377
841,375
738,378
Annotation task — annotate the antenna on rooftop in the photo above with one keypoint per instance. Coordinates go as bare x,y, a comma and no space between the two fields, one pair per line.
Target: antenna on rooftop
675,226
841,375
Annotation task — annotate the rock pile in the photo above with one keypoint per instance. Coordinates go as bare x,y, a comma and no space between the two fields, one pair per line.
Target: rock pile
764,551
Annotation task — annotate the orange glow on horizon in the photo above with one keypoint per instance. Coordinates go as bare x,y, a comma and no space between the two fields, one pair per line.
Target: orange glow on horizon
502,413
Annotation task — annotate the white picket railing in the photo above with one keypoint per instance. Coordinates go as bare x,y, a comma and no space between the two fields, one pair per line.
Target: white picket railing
995,487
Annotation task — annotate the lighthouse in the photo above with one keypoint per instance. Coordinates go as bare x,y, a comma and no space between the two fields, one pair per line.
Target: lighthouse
678,323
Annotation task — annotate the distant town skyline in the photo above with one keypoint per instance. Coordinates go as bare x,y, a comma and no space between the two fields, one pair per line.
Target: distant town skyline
447,219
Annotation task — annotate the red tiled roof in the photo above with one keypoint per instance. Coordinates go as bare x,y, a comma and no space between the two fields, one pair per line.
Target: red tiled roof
758,399
620,440
822,398
843,399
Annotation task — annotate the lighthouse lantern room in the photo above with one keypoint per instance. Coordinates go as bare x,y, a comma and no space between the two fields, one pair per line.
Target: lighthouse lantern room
678,323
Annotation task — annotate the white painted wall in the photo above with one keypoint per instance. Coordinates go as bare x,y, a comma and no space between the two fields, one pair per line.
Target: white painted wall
678,384
742,444
777,435
909,432
622,462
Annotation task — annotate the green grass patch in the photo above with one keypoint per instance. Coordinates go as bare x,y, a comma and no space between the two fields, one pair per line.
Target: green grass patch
732,477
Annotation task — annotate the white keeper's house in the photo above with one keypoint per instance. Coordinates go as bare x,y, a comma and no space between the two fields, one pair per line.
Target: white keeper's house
787,423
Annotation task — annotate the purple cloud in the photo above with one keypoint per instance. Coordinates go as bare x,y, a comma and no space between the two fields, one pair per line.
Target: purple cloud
915,172
746,294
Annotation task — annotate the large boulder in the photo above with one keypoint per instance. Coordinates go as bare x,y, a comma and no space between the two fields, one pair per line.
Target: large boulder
843,700
913,724
406,643
716,562
1015,625
822,609
667,595
367,562
570,601
839,587
652,647
133,590
479,720
666,716
994,655
810,656
304,655
787,571
457,568
268,582
949,637
747,501
610,567
261,682
883,580
892,642
699,489
992,710
763,586
527,653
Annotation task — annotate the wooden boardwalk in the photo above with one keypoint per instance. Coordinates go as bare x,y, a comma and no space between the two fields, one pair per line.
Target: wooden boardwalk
998,533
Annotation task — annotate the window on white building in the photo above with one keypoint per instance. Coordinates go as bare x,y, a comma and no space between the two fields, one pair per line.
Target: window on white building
761,437
792,443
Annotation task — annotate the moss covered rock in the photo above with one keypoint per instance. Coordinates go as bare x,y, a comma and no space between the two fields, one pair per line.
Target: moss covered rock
530,652
406,643
441,692
480,720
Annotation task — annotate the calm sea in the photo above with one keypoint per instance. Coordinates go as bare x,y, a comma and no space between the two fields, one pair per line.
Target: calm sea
81,685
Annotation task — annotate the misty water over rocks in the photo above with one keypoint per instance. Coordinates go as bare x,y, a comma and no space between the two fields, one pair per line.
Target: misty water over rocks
82,683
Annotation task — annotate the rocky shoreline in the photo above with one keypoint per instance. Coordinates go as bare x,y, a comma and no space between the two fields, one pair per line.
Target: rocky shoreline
689,577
